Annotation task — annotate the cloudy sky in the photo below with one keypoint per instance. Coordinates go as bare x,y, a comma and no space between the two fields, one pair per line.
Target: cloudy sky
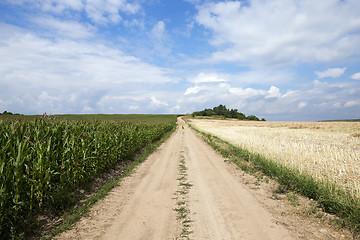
292,60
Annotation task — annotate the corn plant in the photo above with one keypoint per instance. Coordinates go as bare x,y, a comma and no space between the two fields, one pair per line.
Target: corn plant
43,159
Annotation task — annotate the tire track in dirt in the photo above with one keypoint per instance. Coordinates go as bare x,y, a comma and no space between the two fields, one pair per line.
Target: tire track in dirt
221,207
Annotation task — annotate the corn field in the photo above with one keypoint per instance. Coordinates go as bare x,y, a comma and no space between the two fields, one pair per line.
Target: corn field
40,160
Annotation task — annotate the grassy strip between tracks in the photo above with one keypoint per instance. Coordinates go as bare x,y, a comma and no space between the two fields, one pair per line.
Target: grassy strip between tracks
329,197
76,213
183,201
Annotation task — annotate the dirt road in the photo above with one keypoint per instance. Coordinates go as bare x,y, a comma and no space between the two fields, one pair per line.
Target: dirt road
152,202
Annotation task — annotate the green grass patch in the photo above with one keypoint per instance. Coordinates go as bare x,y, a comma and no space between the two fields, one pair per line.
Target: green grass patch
182,210
342,120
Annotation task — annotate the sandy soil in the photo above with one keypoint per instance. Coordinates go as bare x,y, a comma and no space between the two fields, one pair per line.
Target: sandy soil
222,203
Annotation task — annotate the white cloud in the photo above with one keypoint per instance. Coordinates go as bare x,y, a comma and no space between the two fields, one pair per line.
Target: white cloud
316,82
352,103
135,101
192,90
247,92
99,11
356,76
65,28
272,32
157,102
37,74
159,42
158,30
313,102
103,11
207,78
54,6
206,88
71,68
87,109
301,105
273,92
290,93
331,72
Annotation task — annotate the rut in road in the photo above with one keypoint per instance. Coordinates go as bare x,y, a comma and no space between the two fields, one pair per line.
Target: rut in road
142,207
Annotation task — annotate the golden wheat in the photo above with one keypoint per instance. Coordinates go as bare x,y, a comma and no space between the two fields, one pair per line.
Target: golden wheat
328,151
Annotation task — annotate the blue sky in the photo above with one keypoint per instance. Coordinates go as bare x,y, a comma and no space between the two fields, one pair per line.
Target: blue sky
278,59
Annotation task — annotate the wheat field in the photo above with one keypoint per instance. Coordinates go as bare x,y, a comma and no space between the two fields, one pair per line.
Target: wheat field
329,151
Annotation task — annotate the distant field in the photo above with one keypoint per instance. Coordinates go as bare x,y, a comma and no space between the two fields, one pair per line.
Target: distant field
139,118
344,120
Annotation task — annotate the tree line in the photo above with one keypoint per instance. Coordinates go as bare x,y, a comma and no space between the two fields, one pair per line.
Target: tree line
9,113
221,110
